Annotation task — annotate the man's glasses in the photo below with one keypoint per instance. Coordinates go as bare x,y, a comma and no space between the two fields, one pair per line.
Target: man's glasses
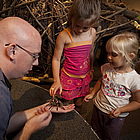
35,56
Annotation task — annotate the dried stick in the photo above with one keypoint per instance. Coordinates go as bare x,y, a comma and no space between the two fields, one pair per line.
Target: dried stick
118,12
19,5
12,7
105,18
114,14
51,41
107,29
127,13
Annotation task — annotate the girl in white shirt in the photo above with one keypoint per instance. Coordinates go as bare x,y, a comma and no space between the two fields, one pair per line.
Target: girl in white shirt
119,81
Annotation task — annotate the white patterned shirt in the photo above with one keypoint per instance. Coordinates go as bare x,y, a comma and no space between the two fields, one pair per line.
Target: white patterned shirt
116,89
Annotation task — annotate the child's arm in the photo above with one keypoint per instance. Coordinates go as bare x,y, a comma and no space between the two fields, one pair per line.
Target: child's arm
92,48
94,91
92,52
60,42
133,105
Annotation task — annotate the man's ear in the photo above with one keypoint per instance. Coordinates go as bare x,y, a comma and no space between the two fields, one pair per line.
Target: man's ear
11,51
132,55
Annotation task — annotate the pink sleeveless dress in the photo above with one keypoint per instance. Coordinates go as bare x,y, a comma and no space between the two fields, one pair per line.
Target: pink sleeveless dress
75,74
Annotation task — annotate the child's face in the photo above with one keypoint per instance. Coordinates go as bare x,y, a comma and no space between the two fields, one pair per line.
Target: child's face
116,60
81,26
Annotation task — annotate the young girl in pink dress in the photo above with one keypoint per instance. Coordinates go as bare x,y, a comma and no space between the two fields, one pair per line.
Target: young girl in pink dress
72,82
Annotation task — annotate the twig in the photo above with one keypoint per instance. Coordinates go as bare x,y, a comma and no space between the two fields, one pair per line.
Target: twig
51,41
118,12
19,5
107,29
12,7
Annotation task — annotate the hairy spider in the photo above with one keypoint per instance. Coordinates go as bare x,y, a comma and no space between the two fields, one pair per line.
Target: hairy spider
55,102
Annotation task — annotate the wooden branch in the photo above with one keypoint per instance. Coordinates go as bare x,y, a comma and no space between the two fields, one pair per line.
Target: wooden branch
118,12
105,18
107,29
19,5
1,4
12,7
46,29
63,7
127,13
106,12
51,41
55,16
59,15
47,52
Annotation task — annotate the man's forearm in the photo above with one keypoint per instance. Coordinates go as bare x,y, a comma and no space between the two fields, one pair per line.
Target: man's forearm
16,122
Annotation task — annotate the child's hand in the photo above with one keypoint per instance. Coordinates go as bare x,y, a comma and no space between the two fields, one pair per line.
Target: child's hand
115,113
55,87
88,97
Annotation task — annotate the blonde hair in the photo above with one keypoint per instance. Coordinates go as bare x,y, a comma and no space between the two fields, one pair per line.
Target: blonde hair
125,43
84,9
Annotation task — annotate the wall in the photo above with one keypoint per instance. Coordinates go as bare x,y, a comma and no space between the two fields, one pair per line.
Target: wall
132,4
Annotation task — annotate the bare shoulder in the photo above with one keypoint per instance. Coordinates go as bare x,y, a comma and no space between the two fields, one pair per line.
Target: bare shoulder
64,37
94,33
63,33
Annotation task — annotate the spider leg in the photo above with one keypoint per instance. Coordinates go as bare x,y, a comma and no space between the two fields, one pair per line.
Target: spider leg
48,104
61,105
63,108
47,101
50,107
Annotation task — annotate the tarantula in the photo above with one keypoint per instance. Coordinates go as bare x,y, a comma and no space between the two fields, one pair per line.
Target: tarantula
55,102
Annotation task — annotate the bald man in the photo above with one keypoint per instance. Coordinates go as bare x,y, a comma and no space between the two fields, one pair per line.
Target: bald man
20,45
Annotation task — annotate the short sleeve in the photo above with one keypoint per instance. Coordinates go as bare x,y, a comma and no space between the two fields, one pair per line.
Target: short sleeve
105,67
136,84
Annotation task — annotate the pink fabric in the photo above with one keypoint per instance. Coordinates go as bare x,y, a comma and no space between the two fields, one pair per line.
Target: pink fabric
74,87
70,83
77,60
75,77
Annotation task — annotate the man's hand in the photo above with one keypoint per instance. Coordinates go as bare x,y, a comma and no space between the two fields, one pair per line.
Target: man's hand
34,124
39,121
66,109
